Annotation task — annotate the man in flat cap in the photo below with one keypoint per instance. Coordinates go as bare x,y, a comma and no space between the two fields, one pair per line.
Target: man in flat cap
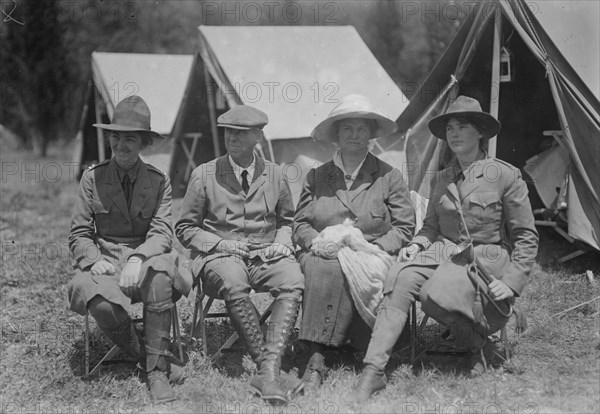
236,219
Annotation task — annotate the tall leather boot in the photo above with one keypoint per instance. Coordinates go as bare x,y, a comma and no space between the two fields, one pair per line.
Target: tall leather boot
245,320
267,381
388,327
157,325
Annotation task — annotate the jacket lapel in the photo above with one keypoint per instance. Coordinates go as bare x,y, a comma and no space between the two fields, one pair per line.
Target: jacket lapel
364,178
260,176
114,189
140,190
226,177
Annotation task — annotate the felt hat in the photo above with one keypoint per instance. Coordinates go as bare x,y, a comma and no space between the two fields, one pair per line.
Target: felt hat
131,114
465,106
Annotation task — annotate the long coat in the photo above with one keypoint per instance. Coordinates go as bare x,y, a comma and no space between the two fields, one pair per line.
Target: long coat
215,208
379,202
496,215
102,227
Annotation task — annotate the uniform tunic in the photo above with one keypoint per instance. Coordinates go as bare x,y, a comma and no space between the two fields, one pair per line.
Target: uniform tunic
103,227
497,218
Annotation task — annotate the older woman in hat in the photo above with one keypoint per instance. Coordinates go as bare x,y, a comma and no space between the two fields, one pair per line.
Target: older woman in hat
478,212
120,238
355,185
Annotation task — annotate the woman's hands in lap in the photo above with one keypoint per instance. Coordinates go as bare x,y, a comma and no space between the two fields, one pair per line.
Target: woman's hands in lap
102,267
130,275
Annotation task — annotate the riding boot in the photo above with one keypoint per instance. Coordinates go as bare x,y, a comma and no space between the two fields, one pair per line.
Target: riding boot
267,381
388,327
157,325
245,320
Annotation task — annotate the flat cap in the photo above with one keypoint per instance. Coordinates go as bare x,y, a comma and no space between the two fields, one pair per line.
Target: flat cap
243,117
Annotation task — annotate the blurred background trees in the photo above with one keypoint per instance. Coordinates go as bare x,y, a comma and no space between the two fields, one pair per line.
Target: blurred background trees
45,45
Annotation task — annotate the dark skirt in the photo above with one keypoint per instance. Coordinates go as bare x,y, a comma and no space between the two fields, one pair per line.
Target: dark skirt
329,316
83,287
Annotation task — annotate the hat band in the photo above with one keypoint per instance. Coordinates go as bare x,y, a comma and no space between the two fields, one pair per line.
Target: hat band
132,120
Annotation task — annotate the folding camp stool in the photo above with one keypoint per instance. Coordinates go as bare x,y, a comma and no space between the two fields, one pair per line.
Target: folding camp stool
202,313
115,349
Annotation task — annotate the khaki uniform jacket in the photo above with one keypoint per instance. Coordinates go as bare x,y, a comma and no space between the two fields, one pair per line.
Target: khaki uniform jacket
497,214
102,226
215,208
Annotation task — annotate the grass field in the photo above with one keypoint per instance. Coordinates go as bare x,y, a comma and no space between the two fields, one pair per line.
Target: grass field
555,365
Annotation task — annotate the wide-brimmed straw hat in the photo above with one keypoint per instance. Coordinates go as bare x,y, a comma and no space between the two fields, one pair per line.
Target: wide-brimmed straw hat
465,106
353,106
131,114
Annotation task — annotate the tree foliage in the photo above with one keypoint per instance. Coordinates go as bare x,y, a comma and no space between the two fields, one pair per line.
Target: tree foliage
46,60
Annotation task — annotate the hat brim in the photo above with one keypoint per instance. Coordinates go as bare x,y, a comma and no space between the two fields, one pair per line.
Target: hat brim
244,128
116,127
326,131
488,125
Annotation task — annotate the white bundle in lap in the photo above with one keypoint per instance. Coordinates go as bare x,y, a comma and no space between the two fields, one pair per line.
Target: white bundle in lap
364,265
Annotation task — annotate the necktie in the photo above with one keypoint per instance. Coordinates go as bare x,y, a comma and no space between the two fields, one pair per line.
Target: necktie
460,179
127,189
245,185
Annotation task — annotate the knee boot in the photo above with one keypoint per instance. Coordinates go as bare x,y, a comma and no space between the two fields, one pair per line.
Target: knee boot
157,325
267,381
388,327
245,320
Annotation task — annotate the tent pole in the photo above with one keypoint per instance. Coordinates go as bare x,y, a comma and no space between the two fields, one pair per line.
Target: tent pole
495,85
99,131
210,97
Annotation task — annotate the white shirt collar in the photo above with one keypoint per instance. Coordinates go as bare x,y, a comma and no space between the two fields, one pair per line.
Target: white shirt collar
349,177
237,170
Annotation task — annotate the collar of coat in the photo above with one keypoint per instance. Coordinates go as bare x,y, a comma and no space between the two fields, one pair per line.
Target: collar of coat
112,185
226,177
472,181
364,179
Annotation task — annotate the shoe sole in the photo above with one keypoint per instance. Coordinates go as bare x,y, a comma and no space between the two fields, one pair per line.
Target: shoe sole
271,399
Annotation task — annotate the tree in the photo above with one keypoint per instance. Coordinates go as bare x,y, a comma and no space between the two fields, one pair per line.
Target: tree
33,74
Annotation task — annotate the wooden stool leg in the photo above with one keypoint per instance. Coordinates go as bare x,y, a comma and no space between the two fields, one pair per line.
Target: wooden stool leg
504,336
86,338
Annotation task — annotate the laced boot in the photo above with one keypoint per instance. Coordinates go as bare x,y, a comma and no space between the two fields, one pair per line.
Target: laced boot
157,324
244,318
267,381
315,369
388,327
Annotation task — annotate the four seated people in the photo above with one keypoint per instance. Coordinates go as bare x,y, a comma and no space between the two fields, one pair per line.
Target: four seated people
239,223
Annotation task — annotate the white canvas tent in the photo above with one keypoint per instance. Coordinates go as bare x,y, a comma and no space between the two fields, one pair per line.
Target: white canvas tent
159,79
296,74
536,66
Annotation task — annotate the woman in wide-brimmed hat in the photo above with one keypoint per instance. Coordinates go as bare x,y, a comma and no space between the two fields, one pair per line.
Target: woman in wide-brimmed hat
120,238
478,214
358,186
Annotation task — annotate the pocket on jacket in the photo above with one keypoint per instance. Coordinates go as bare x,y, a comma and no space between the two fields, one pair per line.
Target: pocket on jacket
484,207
